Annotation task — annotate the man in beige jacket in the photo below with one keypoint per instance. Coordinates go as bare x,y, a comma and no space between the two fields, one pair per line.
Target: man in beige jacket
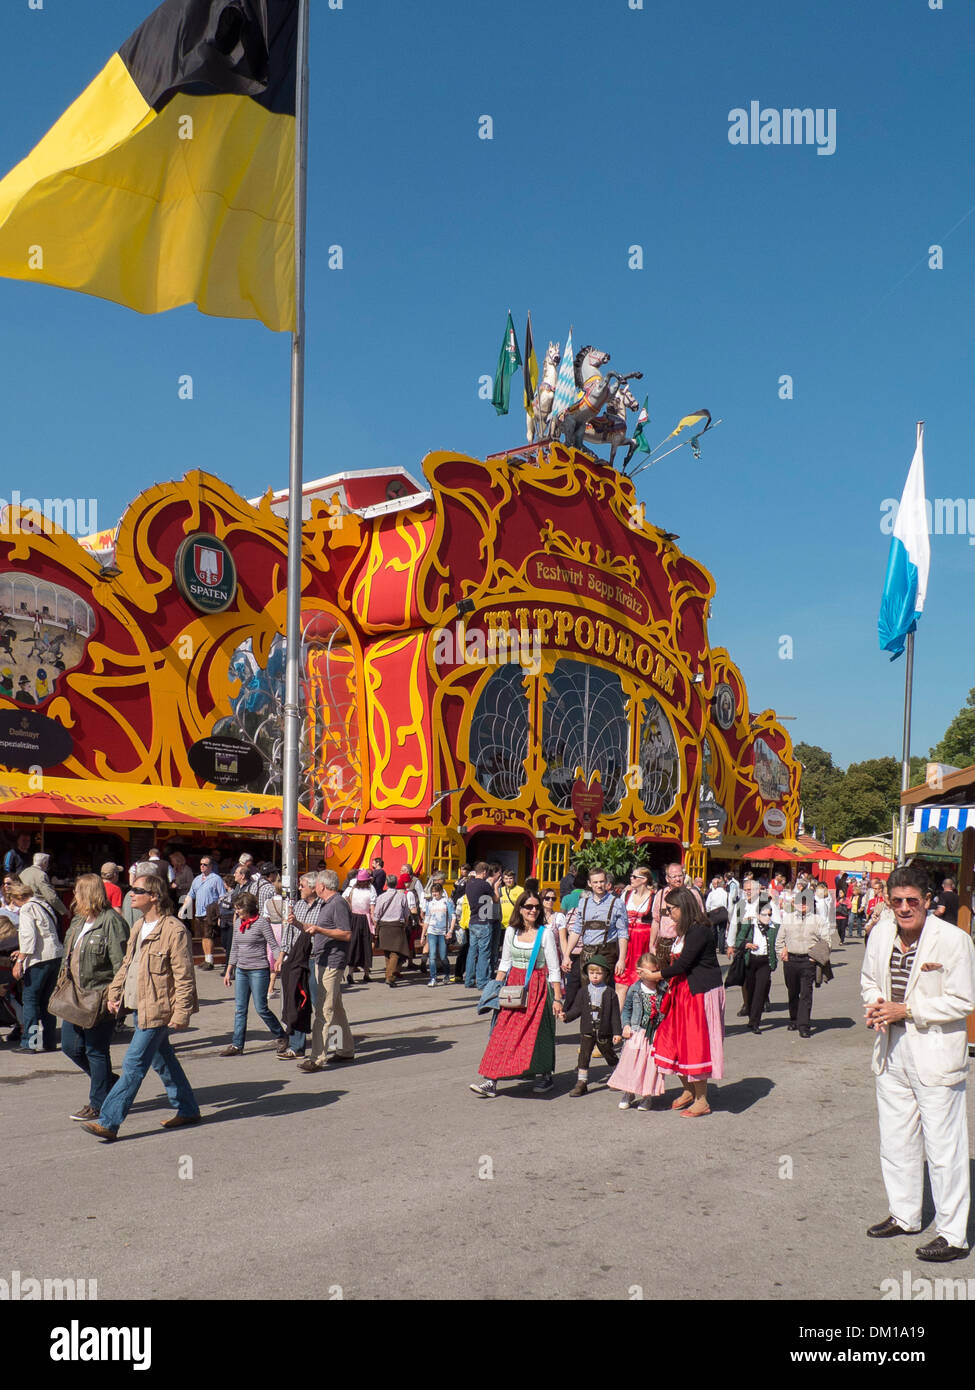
158,983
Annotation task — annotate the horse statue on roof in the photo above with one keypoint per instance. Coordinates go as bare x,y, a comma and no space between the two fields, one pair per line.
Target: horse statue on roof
593,389
610,427
537,421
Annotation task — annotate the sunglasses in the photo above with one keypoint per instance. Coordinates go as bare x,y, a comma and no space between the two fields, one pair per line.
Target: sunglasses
549,898
905,902
141,893
531,907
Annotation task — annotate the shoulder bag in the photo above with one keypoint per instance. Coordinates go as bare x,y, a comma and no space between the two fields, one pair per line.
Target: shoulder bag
516,996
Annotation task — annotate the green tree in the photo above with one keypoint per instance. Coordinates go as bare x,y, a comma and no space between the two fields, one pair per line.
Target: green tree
617,855
957,747
819,778
863,801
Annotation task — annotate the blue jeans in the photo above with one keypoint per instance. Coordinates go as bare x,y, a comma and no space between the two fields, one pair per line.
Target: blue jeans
39,982
438,951
88,1048
250,984
478,956
150,1047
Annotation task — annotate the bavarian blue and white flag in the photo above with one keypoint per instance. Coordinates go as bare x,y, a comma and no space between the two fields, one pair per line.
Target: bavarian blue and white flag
566,390
907,564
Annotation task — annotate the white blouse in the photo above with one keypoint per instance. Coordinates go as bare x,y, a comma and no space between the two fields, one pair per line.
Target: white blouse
549,948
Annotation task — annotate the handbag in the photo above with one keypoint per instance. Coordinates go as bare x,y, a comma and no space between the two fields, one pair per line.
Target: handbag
82,1007
736,970
516,996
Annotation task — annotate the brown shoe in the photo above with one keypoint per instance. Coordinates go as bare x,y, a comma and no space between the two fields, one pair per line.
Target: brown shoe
309,1065
85,1113
231,1051
283,1044
178,1121
579,1089
100,1132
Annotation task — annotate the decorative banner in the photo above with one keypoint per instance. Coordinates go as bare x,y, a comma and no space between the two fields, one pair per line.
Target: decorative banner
587,802
29,739
774,820
205,573
226,762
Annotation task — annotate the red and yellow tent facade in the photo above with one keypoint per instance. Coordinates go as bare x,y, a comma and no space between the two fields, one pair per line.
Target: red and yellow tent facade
505,658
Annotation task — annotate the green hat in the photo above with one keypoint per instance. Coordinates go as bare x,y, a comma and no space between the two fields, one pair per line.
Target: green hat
598,960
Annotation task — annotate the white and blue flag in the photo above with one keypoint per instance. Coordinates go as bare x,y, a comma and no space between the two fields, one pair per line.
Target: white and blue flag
907,564
566,390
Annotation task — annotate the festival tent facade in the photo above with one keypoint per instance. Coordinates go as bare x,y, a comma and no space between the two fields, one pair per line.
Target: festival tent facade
504,660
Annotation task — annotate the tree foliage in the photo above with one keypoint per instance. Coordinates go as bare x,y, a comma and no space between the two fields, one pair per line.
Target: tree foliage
957,747
617,855
862,800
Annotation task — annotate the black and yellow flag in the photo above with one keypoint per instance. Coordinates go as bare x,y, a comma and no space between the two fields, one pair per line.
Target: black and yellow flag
171,179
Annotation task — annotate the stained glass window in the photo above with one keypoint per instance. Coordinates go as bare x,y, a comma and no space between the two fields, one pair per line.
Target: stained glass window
659,760
584,725
499,734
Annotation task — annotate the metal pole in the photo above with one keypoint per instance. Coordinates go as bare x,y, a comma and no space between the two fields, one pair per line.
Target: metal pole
906,754
292,686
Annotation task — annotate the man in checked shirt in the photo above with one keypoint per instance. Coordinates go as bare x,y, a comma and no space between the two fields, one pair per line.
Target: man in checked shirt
306,909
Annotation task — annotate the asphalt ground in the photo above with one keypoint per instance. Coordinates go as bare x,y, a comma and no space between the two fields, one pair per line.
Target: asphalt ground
390,1179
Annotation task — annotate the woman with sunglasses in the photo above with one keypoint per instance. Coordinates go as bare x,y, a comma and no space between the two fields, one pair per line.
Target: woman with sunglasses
522,1044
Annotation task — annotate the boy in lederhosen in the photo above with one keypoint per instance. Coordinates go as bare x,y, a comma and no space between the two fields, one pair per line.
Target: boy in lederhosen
598,1009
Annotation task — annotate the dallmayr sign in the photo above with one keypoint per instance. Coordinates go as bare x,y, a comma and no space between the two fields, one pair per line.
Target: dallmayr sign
205,573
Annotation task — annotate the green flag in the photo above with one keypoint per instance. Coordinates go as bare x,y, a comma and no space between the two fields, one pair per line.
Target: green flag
639,438
508,363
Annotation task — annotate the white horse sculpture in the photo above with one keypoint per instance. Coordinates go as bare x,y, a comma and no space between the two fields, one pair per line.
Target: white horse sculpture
537,423
594,388
610,427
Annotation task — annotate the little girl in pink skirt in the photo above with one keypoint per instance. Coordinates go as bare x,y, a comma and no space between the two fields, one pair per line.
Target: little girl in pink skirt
637,1075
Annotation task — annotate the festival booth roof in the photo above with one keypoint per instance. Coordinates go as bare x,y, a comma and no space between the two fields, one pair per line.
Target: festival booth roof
936,817
775,854
95,799
748,847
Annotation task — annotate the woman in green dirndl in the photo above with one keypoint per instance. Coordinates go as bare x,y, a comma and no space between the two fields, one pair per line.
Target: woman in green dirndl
522,1044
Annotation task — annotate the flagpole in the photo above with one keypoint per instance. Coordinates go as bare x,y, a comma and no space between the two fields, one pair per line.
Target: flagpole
906,752
292,684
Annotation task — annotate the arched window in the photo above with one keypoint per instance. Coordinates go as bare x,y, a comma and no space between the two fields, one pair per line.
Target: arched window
659,760
584,725
499,734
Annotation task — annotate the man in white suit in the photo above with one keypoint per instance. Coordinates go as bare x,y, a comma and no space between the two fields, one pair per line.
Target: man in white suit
918,987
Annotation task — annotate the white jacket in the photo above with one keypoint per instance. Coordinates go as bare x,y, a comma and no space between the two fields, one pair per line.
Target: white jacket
939,1000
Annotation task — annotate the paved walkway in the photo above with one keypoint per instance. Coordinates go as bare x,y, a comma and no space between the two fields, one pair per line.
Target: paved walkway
389,1178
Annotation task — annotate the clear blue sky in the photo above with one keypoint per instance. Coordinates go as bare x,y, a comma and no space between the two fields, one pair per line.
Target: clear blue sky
610,129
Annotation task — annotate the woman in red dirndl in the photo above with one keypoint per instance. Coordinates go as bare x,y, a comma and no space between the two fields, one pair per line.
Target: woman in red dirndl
690,1039
637,902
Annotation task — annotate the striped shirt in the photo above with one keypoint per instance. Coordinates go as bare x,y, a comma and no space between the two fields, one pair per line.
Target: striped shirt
900,970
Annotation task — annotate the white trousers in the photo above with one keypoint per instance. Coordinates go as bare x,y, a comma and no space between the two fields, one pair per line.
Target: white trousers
918,1120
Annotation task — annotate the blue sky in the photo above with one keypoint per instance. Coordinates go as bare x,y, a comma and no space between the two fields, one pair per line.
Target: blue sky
610,130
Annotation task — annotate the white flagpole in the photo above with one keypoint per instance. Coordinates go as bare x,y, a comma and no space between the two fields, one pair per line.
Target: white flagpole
292,687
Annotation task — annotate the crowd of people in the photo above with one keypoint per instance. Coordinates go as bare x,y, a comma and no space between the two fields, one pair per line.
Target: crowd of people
635,964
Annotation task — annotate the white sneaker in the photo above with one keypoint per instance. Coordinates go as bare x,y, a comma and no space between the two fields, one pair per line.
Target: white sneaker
646,1103
627,1101
431,984
484,1088
543,1084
